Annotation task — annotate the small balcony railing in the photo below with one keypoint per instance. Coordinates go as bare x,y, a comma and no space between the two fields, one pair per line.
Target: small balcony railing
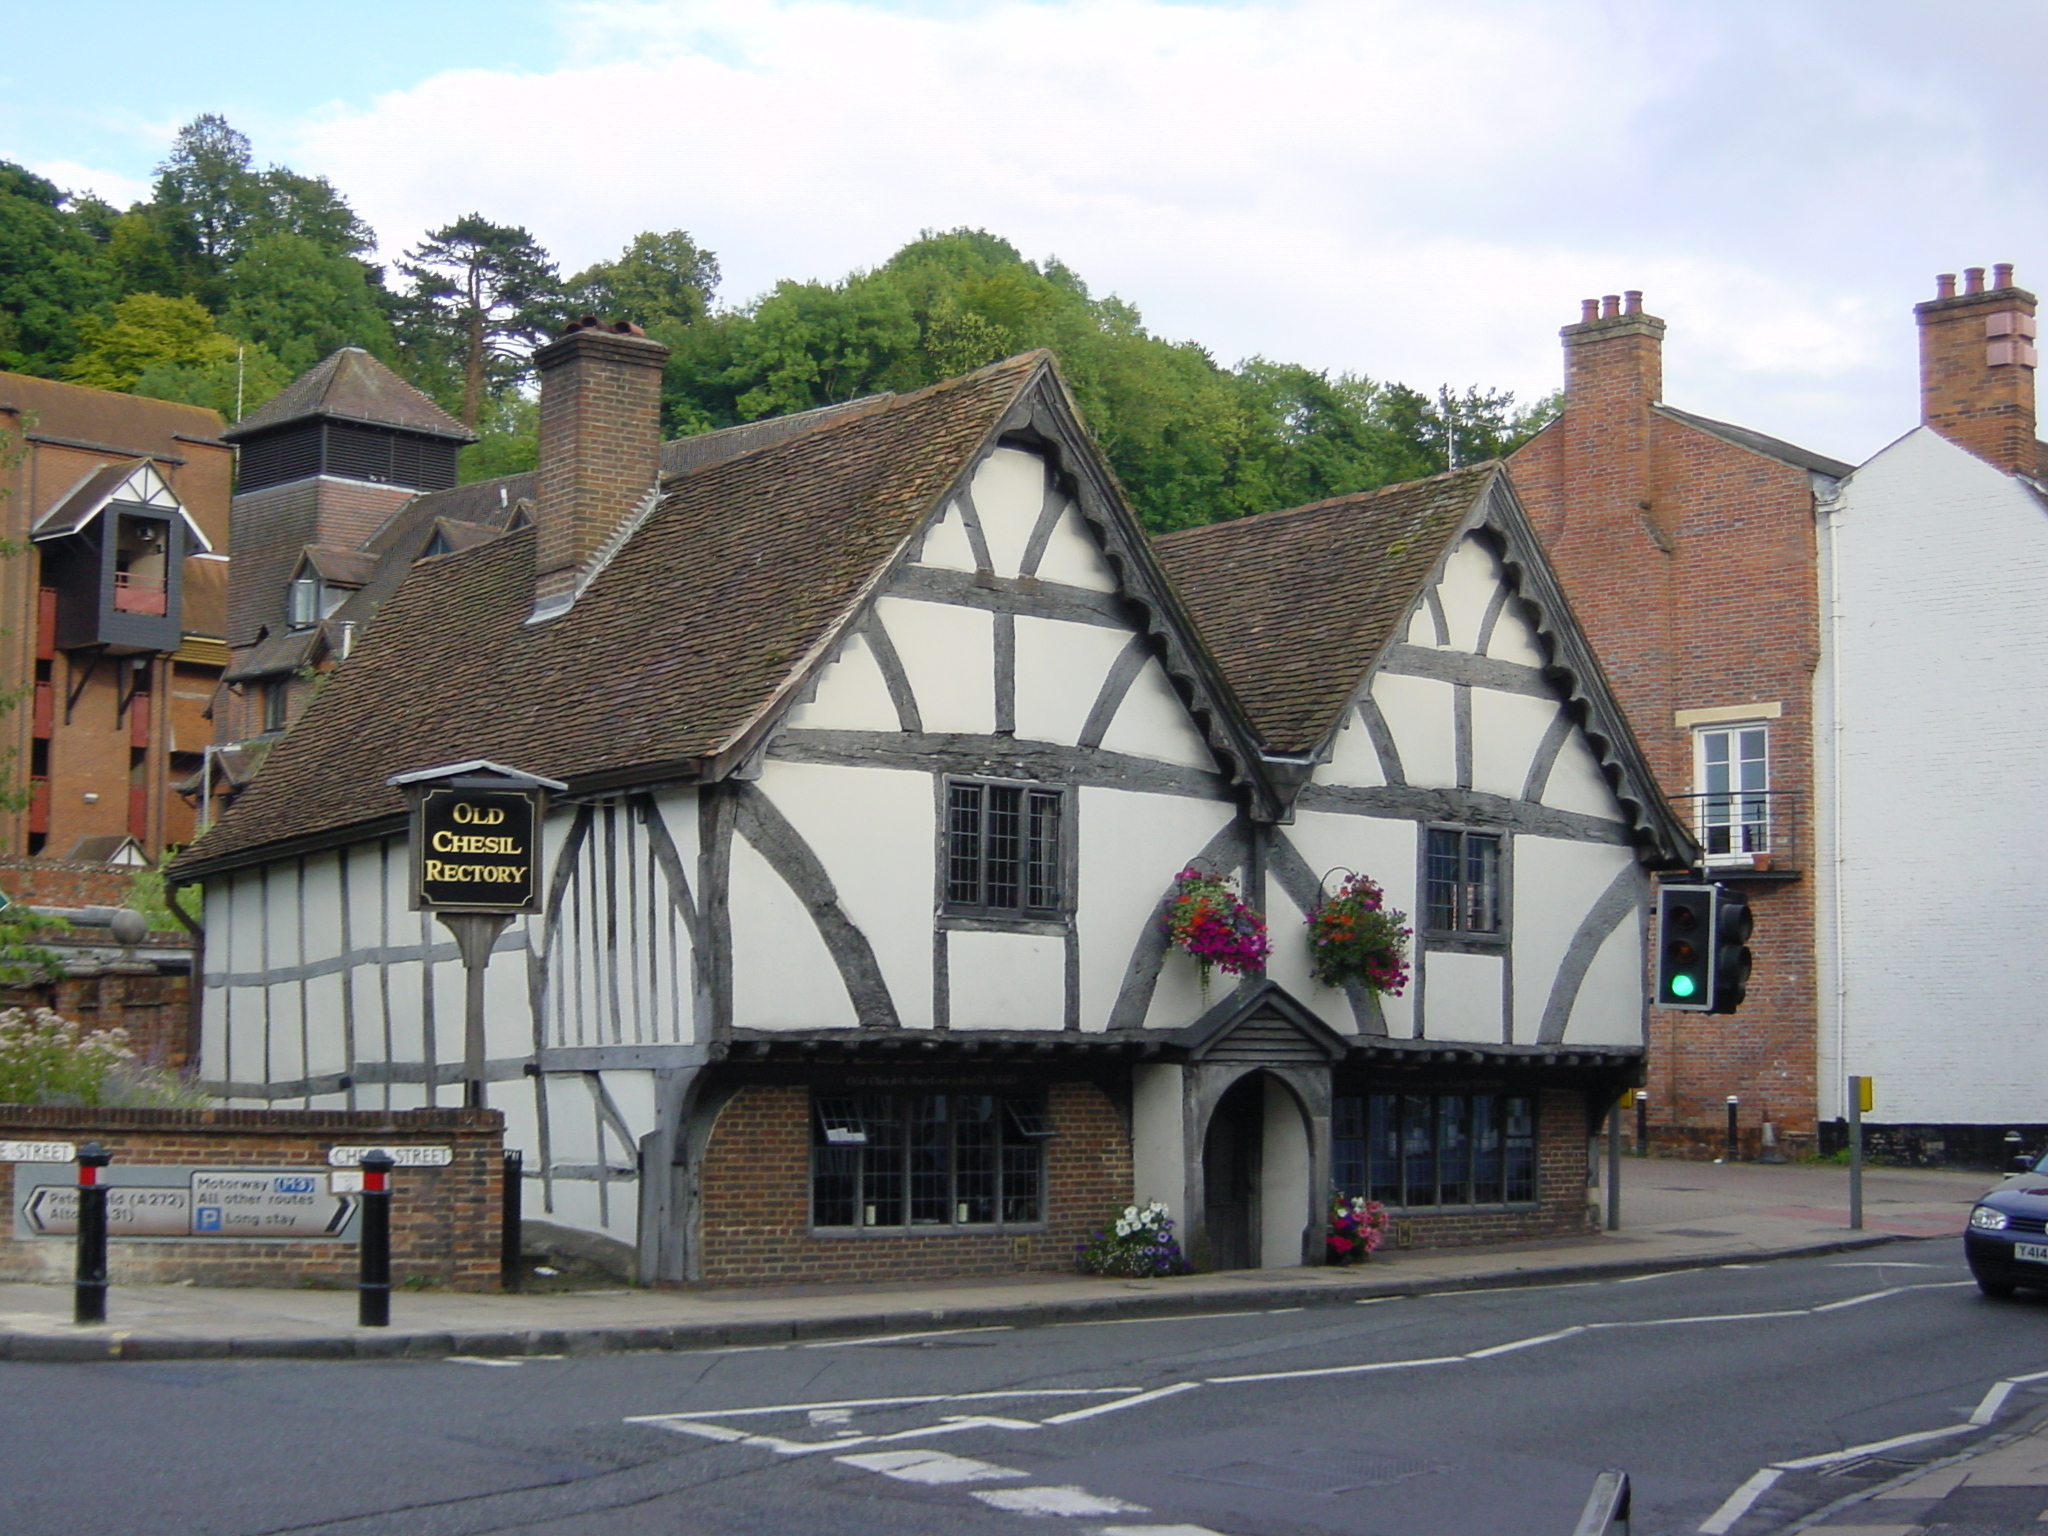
1755,829
140,594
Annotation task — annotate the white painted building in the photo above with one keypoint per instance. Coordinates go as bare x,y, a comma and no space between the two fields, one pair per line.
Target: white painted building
883,744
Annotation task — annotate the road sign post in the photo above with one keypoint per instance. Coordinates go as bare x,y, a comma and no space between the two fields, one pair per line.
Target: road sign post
89,1292
1860,1099
373,1288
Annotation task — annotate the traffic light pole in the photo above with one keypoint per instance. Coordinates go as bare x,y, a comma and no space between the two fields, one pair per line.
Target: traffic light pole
1614,1166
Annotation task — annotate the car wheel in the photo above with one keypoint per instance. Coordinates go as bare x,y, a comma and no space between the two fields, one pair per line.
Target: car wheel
1998,1290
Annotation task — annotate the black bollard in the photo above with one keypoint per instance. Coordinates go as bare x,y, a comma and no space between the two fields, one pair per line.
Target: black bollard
1734,1141
89,1296
373,1290
1642,1123
508,1221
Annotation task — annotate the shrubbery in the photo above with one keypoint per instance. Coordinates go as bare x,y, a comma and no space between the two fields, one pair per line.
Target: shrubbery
46,1058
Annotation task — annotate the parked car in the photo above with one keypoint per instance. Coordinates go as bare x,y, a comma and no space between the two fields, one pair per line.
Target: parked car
2006,1241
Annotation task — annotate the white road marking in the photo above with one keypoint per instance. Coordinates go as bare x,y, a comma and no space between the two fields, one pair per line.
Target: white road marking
1882,1264
899,1338
1377,1301
1662,1274
934,1468
1155,1530
1278,1311
1178,1317
1711,1317
1529,1343
1857,1301
1074,1416
951,1425
1993,1400
887,1402
1807,1463
1065,1500
1736,1505
1336,1370
483,1360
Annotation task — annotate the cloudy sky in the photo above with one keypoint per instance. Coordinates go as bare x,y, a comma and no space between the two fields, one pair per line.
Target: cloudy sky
1419,190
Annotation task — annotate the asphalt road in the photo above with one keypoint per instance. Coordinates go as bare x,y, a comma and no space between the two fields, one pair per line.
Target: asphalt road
1446,1415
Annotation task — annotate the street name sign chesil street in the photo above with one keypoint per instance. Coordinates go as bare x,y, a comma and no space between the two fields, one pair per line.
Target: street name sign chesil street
476,863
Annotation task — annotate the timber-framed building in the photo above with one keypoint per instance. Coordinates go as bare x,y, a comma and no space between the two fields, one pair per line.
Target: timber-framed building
884,743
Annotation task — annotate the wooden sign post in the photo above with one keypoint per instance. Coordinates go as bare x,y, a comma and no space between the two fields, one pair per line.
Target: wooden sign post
476,864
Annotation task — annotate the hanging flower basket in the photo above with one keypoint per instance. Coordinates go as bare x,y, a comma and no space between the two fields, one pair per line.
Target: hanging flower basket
1206,917
1355,936
1357,1227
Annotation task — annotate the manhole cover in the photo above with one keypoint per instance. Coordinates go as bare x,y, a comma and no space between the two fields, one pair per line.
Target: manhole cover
1326,1473
1693,1232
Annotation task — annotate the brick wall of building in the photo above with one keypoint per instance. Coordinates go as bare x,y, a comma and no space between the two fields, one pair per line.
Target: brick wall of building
444,1221
755,1190
1692,565
1562,1209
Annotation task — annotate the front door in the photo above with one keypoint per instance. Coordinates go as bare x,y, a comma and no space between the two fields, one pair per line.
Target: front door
1230,1175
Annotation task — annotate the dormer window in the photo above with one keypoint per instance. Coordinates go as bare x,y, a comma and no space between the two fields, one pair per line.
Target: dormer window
302,602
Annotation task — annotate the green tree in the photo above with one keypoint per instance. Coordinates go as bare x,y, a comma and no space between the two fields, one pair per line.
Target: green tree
51,271
661,282
483,296
302,302
508,438
170,349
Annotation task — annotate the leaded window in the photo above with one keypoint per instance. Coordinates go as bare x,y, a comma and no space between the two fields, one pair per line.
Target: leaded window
1462,882
1003,849
910,1160
1419,1151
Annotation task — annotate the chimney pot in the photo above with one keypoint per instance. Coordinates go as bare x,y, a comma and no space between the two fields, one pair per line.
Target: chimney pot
1973,280
1633,298
1945,286
1977,369
2001,275
1589,311
1610,305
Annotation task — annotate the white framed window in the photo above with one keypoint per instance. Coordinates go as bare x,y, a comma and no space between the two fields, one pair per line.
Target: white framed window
1732,784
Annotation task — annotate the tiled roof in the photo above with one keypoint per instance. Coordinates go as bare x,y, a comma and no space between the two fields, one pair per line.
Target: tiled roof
1296,605
699,625
351,385
1758,442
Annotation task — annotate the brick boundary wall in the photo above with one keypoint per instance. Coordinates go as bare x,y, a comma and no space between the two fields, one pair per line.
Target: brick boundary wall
757,1197
444,1221
1562,1207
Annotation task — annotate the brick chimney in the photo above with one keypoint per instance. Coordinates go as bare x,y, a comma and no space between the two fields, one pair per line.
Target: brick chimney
1977,364
1613,374
600,446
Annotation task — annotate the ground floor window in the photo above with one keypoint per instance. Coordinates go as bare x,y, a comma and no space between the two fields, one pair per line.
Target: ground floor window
1435,1149
928,1160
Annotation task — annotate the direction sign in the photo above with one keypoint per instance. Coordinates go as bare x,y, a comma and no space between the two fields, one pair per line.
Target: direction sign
37,1152
52,1211
401,1157
266,1205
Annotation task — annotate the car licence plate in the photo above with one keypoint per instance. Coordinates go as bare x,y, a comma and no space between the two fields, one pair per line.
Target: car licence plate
2031,1253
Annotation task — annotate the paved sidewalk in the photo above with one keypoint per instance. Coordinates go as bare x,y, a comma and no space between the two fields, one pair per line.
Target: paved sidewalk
1998,1488
1674,1215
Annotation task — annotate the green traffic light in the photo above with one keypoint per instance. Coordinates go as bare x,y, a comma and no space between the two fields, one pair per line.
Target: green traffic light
1683,986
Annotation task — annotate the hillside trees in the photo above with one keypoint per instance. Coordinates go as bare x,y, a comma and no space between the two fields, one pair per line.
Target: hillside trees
483,296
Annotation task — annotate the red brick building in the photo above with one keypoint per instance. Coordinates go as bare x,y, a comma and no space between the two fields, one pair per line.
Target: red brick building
1687,548
111,617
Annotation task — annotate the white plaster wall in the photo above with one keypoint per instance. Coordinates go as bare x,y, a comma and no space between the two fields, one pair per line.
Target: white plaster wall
319,935
1072,558
782,975
1130,846
1942,662
946,544
949,656
1378,846
1514,640
1006,980
286,1040
326,1025
1353,760
1284,1192
1421,626
1060,671
1159,1168
1506,730
1556,884
1576,782
1152,722
851,694
1462,997
872,829
1418,712
1009,492
1609,1009
1471,576
1287,964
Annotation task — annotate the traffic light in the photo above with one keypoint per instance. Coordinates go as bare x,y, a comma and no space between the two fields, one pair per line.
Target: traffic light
1685,947
1732,927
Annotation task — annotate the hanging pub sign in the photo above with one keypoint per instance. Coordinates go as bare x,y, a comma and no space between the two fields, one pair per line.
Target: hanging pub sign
476,837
